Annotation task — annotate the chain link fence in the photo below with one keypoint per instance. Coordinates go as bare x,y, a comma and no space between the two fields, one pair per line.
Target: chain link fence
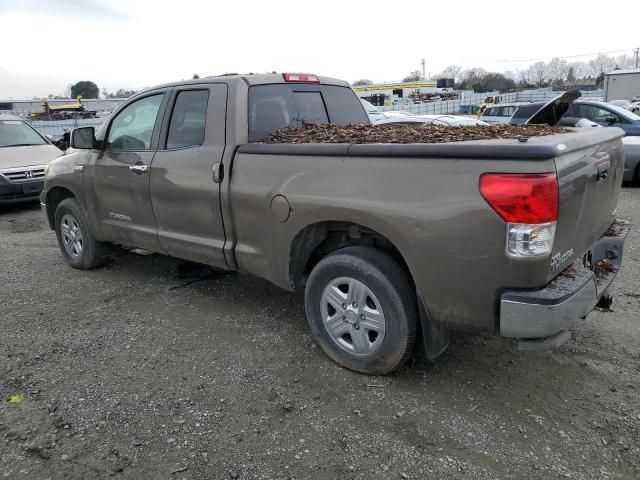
57,123
463,104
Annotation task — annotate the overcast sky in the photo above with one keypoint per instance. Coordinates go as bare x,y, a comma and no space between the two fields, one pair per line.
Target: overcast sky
48,44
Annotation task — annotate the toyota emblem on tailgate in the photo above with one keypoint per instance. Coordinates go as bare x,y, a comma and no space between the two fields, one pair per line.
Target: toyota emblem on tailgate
28,174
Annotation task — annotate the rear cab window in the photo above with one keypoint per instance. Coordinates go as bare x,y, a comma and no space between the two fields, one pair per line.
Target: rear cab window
276,106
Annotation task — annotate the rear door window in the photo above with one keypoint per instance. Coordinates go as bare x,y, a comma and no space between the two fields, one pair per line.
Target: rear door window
507,111
526,111
273,107
188,119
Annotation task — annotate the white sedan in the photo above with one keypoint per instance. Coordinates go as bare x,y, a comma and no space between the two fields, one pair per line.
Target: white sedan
376,116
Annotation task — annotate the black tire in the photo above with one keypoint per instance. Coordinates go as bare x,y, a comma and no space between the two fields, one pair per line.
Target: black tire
392,289
89,256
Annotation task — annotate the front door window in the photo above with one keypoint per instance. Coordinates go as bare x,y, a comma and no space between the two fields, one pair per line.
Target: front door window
132,128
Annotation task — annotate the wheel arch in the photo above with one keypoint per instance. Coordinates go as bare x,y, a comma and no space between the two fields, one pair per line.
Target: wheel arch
316,240
55,195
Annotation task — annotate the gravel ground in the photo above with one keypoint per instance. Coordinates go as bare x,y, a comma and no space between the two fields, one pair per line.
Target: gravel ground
125,375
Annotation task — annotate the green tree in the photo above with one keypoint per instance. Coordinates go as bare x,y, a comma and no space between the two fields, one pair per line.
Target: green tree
85,88
362,81
121,93
413,76
497,81
195,76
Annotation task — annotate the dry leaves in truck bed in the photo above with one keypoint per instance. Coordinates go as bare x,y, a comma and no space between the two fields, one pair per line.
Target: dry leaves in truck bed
327,133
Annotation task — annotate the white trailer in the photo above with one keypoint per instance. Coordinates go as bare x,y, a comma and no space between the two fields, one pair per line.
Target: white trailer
622,84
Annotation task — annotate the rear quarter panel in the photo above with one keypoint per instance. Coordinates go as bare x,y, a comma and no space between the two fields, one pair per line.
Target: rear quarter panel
430,208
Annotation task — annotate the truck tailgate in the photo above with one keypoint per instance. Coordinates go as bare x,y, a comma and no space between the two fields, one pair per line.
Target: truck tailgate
590,166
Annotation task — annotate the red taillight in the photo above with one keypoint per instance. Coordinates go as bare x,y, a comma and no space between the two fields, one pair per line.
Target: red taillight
301,78
522,198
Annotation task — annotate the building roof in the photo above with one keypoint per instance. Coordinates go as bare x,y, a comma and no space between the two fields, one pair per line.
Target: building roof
623,72
4,116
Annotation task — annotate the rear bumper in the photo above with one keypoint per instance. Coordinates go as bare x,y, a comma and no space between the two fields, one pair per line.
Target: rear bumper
571,296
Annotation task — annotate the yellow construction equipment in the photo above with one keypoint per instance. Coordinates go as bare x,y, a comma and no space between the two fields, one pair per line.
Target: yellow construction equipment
62,112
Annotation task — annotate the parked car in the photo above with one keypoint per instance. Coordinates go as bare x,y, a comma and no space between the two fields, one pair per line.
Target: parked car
606,115
500,113
631,144
376,115
24,154
472,236
634,107
631,159
447,120
524,112
579,123
620,103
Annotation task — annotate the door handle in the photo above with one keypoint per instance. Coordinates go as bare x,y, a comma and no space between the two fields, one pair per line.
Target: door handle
138,168
218,172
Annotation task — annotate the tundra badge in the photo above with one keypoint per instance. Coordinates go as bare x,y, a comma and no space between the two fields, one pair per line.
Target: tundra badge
120,216
559,258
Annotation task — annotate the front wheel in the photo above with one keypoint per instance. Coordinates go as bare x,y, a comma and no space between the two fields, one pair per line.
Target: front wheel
79,247
362,309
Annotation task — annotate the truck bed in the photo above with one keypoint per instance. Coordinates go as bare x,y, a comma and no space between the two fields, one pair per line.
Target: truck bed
424,198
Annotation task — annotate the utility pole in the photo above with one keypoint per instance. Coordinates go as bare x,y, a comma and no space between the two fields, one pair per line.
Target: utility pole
637,56
423,62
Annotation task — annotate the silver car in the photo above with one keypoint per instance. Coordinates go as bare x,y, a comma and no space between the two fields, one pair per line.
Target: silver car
24,154
499,113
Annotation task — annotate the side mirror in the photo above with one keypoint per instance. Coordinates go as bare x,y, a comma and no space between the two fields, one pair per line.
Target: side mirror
611,120
83,138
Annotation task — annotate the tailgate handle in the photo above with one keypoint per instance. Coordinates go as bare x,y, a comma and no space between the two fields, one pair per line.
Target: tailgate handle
603,167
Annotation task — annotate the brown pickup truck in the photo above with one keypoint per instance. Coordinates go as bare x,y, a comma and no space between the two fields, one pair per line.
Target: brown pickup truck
392,243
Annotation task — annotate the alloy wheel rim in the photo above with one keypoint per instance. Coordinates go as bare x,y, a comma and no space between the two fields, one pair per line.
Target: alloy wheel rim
71,236
352,316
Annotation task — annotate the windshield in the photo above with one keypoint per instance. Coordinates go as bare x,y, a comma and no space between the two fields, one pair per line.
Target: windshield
17,133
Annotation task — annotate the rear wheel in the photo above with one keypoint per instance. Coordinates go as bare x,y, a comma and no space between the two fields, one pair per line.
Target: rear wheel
362,309
79,247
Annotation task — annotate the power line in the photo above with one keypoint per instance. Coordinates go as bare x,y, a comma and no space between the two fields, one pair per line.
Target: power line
558,56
